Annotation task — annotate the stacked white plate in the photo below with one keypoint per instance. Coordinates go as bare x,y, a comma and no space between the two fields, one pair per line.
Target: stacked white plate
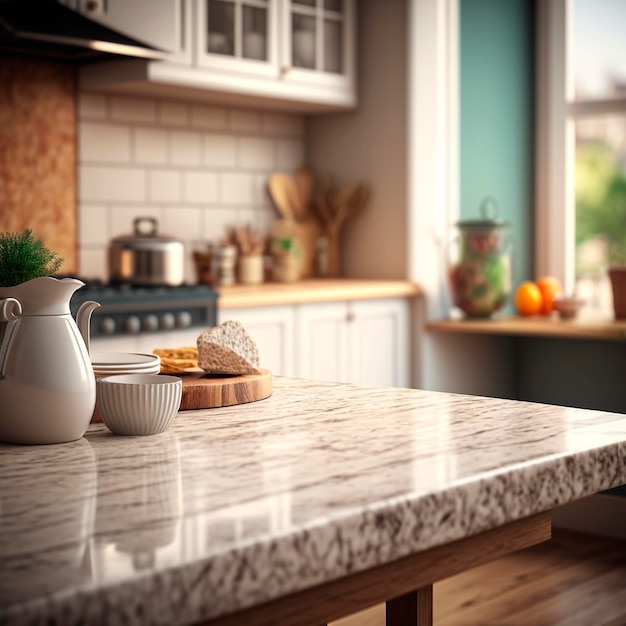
112,363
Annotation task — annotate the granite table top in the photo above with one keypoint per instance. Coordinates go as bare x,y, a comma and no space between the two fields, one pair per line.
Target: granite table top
235,506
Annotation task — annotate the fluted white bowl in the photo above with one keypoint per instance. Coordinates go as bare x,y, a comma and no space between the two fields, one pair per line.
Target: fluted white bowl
139,404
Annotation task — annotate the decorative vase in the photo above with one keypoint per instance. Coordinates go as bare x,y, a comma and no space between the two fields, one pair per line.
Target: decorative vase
479,264
47,383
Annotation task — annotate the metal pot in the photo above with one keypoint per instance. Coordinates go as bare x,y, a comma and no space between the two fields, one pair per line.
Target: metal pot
145,257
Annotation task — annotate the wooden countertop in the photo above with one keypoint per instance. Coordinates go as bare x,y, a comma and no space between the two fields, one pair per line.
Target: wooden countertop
314,290
239,506
587,326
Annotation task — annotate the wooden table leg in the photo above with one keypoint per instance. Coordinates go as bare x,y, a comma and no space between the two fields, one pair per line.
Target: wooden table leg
412,609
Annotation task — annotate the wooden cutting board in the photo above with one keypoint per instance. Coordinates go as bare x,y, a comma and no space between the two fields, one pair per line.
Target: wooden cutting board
207,391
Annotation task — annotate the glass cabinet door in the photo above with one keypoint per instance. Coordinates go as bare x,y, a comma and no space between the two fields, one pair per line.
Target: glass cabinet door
318,35
318,46
236,31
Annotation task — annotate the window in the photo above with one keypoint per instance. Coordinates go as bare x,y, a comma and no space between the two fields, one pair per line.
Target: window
581,173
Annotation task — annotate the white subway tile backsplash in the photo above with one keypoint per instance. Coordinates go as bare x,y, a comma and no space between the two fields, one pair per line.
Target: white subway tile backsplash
260,192
249,217
282,124
290,154
92,106
103,143
240,120
204,116
150,146
219,151
196,168
126,109
182,223
216,221
93,263
237,188
200,187
93,226
164,186
173,113
111,184
256,153
185,148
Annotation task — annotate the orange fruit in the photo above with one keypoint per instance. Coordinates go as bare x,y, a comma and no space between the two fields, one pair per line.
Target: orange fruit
528,298
549,287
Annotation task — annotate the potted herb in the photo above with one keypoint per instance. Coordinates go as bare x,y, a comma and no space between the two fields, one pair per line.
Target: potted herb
22,258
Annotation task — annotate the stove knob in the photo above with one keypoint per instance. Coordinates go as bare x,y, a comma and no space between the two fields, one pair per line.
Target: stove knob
168,321
133,324
183,319
107,326
151,322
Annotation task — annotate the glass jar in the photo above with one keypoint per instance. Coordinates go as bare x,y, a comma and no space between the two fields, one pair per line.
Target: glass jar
479,263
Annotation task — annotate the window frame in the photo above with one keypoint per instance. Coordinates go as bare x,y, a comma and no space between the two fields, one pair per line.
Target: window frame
555,223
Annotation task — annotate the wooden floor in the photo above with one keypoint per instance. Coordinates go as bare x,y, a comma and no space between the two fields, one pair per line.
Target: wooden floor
573,580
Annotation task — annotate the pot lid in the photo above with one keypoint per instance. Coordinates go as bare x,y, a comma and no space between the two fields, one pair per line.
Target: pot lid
145,234
489,217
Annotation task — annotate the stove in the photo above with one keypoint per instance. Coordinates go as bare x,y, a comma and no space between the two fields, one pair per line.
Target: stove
128,310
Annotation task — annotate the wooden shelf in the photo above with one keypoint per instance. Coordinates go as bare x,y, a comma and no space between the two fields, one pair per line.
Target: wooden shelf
314,290
584,327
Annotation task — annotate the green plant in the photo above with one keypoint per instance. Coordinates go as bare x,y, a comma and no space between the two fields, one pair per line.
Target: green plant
22,258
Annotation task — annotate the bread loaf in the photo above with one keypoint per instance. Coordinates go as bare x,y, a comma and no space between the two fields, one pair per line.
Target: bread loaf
228,349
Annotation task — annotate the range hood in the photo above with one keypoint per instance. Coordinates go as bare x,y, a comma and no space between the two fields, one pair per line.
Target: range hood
48,29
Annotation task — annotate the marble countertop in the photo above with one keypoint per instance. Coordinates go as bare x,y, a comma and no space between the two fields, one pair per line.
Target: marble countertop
235,506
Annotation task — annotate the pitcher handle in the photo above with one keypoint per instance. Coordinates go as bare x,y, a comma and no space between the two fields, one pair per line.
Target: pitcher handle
8,308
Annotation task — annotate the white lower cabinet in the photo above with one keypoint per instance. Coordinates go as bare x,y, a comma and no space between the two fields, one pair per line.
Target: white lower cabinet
323,341
364,342
379,338
272,328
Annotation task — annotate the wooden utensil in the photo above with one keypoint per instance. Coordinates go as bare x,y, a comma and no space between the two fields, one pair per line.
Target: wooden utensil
305,181
284,193
335,206
202,391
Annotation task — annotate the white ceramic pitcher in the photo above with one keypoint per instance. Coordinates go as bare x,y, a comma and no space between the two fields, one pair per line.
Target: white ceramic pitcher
47,384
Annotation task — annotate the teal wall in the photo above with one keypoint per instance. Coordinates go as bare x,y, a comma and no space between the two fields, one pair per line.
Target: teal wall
496,116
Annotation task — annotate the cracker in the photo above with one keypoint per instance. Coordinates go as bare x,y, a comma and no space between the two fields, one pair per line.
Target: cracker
177,360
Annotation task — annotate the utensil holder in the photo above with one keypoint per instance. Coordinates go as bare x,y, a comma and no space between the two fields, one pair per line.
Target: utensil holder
251,269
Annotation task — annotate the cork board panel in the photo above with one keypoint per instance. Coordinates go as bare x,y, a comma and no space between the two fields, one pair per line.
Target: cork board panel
38,153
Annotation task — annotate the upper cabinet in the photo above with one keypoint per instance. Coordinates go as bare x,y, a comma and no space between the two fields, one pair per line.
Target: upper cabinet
318,42
237,35
292,54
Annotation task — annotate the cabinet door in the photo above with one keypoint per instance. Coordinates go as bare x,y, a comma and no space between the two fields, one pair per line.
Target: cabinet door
319,42
379,342
237,35
322,341
165,24
272,329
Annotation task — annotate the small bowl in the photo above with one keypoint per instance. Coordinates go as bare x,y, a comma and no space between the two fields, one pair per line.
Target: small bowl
567,307
139,404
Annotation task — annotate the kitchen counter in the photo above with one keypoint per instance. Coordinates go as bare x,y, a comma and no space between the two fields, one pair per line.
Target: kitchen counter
314,290
320,484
